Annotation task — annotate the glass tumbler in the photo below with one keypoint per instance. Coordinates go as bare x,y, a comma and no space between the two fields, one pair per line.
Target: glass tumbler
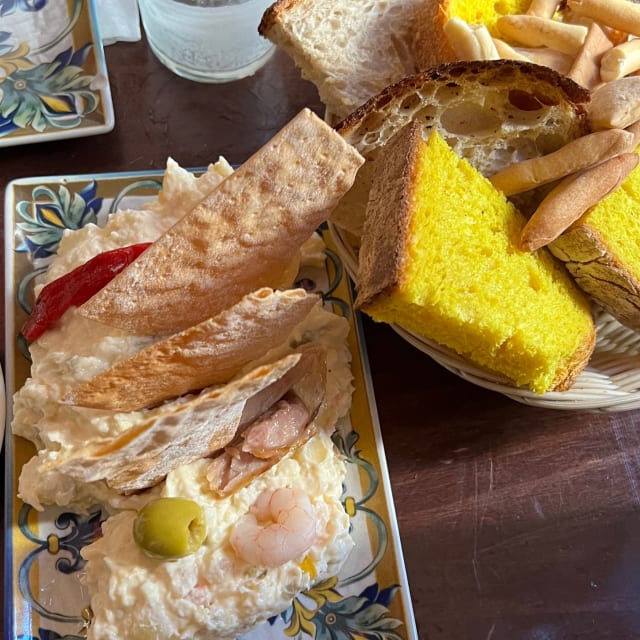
207,40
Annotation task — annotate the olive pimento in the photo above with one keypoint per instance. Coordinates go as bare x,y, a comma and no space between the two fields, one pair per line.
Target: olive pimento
170,528
77,286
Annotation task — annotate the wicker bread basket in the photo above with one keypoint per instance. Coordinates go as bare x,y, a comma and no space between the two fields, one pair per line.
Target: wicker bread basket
610,382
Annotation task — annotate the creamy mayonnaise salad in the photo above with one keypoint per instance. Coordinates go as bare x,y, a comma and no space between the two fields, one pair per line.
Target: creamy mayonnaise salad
77,349
214,592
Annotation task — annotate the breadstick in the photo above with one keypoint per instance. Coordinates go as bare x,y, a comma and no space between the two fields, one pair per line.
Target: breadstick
585,69
620,61
575,195
576,155
470,42
533,31
543,8
618,14
556,60
615,35
635,130
615,104
507,52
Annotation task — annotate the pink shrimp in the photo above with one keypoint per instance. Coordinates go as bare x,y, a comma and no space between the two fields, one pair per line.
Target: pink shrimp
279,526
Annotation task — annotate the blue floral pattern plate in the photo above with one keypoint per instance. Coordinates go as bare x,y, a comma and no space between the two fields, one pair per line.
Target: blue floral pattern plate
44,598
53,76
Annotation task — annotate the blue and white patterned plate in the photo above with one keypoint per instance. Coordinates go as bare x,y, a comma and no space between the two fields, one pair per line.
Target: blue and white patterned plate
44,599
53,75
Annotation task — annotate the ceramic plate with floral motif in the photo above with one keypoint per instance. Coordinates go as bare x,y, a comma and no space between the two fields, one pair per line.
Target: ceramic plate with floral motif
53,76
45,599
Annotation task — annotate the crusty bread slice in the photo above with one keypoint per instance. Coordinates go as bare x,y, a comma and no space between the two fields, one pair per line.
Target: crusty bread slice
208,353
198,426
493,113
241,237
349,50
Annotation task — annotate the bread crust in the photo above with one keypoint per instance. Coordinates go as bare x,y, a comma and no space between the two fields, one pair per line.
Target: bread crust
599,272
272,15
381,258
481,72
430,44
576,364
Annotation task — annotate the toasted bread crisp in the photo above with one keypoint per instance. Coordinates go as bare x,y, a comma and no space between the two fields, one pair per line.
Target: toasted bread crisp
199,426
211,352
239,238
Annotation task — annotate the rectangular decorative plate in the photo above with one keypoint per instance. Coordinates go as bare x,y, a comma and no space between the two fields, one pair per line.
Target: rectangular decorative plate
53,76
44,597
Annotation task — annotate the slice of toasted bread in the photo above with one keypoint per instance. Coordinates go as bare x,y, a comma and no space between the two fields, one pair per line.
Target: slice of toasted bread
349,50
493,113
198,426
208,353
241,237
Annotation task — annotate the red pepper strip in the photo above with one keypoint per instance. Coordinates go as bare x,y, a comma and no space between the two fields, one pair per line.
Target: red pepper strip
77,286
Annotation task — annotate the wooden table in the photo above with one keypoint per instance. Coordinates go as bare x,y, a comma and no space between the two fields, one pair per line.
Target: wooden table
516,522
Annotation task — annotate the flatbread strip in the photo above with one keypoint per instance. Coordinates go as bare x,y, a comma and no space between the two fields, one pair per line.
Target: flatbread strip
200,426
211,352
239,238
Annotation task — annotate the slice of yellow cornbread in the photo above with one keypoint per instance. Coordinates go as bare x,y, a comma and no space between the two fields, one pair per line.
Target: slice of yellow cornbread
440,257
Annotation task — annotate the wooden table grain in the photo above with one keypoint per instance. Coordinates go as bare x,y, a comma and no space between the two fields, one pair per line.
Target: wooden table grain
516,522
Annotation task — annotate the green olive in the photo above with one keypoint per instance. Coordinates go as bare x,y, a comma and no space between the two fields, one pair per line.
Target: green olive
170,528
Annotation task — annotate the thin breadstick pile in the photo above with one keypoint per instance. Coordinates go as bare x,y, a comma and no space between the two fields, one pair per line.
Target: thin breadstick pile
596,43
